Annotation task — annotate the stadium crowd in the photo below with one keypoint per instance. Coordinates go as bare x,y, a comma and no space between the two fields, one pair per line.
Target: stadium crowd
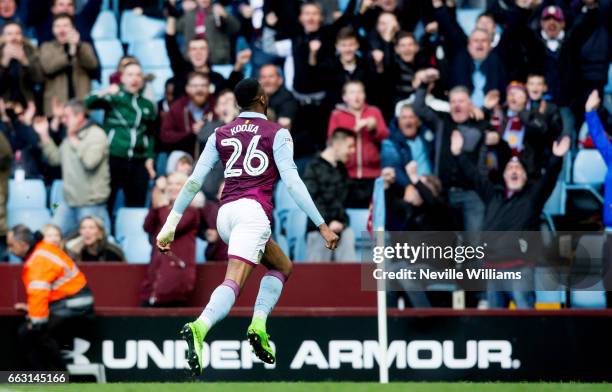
368,88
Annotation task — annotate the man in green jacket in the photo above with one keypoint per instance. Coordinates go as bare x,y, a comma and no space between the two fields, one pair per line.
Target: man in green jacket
83,156
129,122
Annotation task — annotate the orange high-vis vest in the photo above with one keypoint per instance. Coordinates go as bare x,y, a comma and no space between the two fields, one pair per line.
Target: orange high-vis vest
49,275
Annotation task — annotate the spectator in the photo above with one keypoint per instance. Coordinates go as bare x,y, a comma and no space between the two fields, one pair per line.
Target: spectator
163,105
313,46
402,67
211,21
525,131
52,234
592,52
51,279
408,141
280,100
536,89
407,13
216,250
92,244
347,65
226,110
68,64
517,208
115,77
383,36
473,63
573,59
602,142
415,207
20,68
129,123
8,12
6,158
198,59
182,164
482,141
188,115
83,157
327,181
40,16
170,278
16,126
369,126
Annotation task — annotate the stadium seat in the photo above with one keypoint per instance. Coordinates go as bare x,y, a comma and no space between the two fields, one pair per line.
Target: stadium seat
589,168
105,26
224,69
467,18
129,222
151,53
134,27
549,299
34,218
137,248
158,84
110,52
56,195
589,172
282,198
26,194
358,221
281,240
296,234
588,299
104,79
283,204
608,87
201,246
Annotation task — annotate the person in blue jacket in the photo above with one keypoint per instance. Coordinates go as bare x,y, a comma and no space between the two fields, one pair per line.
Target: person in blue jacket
604,145
408,141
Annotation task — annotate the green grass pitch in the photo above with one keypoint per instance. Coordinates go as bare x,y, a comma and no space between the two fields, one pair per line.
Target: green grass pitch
315,387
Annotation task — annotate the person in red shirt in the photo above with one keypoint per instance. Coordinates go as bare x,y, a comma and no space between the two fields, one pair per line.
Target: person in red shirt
370,130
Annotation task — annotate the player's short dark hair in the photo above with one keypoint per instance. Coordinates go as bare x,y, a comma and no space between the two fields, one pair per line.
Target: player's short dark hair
346,33
403,34
342,134
247,91
63,15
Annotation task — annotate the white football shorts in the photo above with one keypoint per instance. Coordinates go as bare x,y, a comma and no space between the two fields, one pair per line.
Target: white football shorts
244,226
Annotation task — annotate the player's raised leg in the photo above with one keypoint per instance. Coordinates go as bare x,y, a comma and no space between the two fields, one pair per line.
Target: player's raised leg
270,289
221,302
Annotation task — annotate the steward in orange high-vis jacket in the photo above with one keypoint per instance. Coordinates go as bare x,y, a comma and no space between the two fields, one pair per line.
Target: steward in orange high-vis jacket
58,299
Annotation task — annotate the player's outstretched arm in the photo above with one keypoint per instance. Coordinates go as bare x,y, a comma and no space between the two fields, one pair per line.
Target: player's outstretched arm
206,163
283,156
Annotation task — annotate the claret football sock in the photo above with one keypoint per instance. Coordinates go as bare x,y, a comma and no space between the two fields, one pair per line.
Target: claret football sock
221,301
270,290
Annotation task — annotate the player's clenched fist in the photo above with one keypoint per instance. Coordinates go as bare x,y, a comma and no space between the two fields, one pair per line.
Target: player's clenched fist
331,238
